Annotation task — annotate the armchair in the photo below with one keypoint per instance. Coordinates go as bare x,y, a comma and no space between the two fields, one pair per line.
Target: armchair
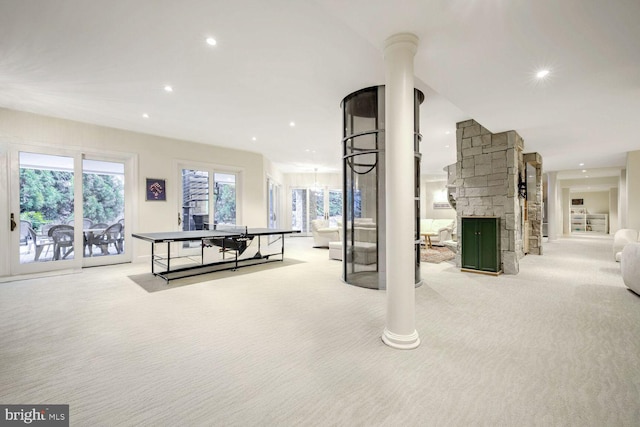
630,266
323,234
622,238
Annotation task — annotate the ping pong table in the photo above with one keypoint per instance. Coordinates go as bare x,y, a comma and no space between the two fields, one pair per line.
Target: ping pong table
220,249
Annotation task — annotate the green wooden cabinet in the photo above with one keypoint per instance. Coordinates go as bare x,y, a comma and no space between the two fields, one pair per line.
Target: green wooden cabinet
481,244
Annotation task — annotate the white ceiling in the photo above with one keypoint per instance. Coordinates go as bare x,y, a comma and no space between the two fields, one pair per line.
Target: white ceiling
106,62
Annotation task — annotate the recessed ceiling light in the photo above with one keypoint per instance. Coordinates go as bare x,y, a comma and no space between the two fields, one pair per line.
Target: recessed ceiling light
254,139
145,115
587,176
584,170
581,164
448,132
446,146
168,88
542,74
292,124
211,41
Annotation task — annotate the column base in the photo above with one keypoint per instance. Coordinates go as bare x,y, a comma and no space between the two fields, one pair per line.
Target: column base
402,342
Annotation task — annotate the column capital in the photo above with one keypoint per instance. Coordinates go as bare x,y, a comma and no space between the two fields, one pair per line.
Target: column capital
407,41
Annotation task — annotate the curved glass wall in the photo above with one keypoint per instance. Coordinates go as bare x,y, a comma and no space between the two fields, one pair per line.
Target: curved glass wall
363,224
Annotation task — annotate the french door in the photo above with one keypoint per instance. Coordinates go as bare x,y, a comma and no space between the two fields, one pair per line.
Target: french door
208,198
308,204
63,204
273,204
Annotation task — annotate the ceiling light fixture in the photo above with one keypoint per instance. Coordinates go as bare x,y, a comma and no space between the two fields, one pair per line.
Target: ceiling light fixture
168,88
542,74
584,170
581,164
446,146
145,115
211,41
448,132
292,124
254,139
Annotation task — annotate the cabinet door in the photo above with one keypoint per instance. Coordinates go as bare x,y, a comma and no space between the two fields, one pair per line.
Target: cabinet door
488,244
469,243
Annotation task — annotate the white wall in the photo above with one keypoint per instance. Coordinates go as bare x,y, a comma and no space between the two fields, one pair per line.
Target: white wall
4,210
332,181
157,158
594,201
622,199
614,224
429,192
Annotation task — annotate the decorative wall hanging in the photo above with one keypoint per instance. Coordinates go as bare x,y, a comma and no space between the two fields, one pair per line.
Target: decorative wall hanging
156,189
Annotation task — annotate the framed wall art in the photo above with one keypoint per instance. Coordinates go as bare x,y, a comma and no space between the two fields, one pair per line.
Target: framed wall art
156,189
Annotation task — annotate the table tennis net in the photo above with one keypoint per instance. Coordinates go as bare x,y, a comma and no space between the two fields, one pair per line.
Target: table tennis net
231,228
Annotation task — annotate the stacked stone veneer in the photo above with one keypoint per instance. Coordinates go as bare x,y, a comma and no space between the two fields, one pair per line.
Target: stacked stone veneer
534,206
487,185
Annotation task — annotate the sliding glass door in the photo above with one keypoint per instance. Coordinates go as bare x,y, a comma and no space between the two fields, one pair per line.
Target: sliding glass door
62,221
103,207
43,208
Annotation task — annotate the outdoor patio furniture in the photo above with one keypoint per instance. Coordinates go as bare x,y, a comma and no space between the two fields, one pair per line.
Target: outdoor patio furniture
110,235
39,243
62,236
24,231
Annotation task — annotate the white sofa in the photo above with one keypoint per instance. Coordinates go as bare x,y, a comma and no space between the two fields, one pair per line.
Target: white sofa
622,238
440,229
630,266
323,234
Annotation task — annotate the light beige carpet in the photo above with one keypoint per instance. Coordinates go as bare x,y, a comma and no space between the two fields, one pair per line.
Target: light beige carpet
557,345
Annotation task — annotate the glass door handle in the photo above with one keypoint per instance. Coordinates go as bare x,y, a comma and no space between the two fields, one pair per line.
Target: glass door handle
179,219
13,223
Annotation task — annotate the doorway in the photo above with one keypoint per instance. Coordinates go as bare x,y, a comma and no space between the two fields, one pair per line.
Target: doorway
69,210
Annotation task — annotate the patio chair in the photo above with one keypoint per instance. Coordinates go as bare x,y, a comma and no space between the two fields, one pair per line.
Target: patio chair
89,234
62,236
121,238
109,236
39,243
24,231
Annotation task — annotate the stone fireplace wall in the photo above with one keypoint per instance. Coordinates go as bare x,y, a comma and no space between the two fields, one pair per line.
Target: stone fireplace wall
487,174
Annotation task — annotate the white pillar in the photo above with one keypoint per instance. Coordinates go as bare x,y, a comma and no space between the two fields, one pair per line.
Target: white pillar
400,331
622,199
552,209
565,212
633,190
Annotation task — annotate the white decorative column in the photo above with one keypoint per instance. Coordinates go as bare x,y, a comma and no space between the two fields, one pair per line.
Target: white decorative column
552,209
400,331
633,190
622,199
565,213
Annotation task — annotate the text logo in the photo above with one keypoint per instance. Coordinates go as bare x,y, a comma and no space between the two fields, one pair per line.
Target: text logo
34,415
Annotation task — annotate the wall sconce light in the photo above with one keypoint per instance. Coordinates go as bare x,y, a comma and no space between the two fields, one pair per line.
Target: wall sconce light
522,187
